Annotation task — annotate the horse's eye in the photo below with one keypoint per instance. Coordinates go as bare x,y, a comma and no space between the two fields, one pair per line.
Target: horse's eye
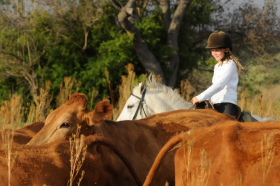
130,106
65,125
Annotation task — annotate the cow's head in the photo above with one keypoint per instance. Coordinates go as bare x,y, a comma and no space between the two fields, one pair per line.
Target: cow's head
63,122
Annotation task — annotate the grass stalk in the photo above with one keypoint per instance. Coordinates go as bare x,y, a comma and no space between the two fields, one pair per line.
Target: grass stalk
78,152
38,111
11,114
205,169
268,152
66,88
125,89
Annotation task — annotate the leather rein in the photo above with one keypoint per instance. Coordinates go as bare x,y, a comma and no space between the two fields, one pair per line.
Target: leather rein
140,107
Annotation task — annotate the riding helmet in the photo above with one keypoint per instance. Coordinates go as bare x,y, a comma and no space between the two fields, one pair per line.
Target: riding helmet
219,39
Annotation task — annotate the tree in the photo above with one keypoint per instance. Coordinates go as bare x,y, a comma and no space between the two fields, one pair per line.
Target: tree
85,40
45,42
256,28
132,11
18,50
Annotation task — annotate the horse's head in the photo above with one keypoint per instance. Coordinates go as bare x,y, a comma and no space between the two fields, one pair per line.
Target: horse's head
134,107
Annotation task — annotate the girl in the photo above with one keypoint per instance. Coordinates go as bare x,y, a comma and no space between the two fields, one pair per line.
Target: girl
223,91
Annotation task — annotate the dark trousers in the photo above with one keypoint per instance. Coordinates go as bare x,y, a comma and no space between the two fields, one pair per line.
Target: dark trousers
226,108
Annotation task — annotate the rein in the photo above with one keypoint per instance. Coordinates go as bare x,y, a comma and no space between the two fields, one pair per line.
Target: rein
141,104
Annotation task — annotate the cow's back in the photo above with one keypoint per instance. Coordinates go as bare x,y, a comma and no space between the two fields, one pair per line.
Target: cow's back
230,153
48,165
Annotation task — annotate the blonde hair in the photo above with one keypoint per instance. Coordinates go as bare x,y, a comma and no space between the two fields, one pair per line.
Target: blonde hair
238,63
229,55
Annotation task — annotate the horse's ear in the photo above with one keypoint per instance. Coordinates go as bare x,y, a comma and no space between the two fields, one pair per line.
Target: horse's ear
143,87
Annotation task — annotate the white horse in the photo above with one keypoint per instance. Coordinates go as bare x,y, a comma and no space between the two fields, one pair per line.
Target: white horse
153,97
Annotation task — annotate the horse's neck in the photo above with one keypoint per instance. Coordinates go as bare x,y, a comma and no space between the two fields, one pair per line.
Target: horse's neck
169,101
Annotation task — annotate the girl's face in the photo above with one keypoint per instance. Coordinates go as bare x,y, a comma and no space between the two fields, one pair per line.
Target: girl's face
218,54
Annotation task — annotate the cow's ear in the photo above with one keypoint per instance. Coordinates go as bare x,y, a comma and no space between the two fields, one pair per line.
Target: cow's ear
79,99
103,110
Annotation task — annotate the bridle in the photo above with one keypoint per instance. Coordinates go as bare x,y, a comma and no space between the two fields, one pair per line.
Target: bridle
141,104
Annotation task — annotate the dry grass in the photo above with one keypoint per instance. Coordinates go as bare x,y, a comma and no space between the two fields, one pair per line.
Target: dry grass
68,87
78,152
11,112
125,90
201,175
11,118
265,105
39,111
7,138
187,160
268,152
186,90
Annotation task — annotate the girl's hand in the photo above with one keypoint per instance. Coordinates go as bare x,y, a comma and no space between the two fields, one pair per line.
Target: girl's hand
194,100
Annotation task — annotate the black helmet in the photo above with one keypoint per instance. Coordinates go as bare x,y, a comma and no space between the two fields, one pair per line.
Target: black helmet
219,39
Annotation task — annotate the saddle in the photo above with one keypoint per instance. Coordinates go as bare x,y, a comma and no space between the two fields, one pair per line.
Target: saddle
242,116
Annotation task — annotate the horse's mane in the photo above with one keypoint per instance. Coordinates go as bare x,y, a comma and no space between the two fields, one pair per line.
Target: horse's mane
151,83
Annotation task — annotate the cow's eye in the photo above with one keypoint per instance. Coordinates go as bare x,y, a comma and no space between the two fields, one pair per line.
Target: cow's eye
65,125
130,106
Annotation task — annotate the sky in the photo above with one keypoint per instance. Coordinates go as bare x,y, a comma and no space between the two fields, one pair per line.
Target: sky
232,4
229,5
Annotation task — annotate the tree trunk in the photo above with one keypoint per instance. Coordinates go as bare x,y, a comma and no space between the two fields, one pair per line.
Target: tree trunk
126,18
147,58
172,36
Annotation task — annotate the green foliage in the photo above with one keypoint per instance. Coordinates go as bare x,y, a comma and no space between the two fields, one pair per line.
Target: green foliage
60,39
199,12
106,28
191,48
3,90
261,73
113,55
153,32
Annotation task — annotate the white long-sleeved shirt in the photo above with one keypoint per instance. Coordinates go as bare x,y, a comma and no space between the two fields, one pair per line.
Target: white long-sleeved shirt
224,84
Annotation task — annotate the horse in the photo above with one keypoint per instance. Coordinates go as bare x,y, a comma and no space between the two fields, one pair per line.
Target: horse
152,97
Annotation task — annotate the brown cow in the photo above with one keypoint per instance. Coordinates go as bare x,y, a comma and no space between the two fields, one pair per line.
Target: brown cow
228,153
49,164
63,122
140,140
23,135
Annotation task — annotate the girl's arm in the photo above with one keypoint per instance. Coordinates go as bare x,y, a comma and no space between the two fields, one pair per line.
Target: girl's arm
221,80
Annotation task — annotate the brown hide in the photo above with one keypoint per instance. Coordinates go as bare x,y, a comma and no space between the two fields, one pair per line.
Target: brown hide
142,139
236,152
23,135
228,153
49,164
182,120
139,140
